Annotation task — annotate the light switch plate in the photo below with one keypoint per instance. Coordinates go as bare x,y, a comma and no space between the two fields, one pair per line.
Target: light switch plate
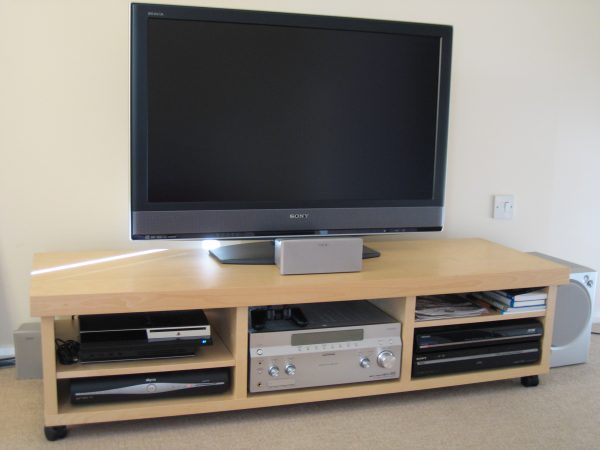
504,206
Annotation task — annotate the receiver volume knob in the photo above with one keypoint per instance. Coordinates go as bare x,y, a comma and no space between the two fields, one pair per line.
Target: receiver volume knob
274,371
386,359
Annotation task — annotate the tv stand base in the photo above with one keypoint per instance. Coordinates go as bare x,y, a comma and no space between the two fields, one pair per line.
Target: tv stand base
260,253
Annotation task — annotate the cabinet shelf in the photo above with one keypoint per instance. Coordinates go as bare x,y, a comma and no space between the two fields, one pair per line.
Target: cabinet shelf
489,317
478,376
215,355
139,409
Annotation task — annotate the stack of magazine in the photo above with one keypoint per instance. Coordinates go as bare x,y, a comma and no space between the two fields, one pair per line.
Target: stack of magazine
515,300
449,306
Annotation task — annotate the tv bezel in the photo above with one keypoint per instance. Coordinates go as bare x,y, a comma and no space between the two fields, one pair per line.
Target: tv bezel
187,221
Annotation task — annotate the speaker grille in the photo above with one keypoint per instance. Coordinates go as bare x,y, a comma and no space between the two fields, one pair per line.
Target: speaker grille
573,312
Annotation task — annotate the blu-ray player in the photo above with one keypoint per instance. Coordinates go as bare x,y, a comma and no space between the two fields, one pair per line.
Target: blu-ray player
461,348
163,334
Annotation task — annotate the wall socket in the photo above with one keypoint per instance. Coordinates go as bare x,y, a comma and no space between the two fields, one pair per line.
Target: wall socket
504,206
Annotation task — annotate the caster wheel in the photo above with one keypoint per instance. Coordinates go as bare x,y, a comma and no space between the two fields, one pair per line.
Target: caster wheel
55,433
530,381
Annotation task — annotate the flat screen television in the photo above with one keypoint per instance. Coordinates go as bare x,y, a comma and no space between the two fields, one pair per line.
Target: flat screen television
256,125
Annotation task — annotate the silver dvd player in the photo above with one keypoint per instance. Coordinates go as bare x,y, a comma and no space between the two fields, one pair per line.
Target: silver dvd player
335,343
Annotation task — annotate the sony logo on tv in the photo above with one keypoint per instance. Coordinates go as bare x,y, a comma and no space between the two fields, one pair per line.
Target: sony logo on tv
299,216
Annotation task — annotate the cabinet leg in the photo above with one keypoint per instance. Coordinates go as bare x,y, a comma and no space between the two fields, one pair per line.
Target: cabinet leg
55,433
530,381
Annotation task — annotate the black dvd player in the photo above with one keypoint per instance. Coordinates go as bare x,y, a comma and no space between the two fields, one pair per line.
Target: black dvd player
478,334
149,386
461,348
163,334
477,358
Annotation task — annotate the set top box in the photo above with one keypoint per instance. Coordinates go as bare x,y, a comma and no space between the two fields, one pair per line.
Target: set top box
149,386
163,334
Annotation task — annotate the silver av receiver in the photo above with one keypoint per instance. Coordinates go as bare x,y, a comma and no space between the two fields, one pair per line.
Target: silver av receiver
322,344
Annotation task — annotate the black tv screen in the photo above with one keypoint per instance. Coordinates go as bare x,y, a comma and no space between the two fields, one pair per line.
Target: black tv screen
252,124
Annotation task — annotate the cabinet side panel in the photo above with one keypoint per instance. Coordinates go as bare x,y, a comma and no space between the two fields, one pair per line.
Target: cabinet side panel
548,322
222,322
240,354
402,309
232,326
49,366
408,332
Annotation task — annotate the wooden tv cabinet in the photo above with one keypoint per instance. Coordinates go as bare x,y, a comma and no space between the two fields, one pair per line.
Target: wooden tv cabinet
191,279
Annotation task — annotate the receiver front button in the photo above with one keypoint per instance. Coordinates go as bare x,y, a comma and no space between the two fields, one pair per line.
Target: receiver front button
290,369
386,359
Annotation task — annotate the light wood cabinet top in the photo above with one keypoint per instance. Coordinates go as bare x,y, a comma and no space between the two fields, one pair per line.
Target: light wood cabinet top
190,278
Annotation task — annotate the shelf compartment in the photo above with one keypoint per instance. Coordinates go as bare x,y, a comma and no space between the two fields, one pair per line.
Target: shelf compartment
490,317
388,386
475,376
215,355
324,393
129,410
69,414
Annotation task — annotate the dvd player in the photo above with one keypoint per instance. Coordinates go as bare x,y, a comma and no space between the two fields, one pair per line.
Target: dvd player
163,334
462,348
479,334
149,386
478,358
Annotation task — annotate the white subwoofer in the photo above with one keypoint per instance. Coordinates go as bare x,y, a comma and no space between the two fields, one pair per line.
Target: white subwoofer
573,315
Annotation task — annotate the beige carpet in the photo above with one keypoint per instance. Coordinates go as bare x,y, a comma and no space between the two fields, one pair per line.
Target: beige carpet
563,412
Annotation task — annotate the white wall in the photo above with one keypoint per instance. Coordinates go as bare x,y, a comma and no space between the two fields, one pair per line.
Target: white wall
524,119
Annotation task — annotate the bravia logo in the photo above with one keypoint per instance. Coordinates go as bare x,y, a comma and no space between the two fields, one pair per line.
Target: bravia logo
299,216
153,13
